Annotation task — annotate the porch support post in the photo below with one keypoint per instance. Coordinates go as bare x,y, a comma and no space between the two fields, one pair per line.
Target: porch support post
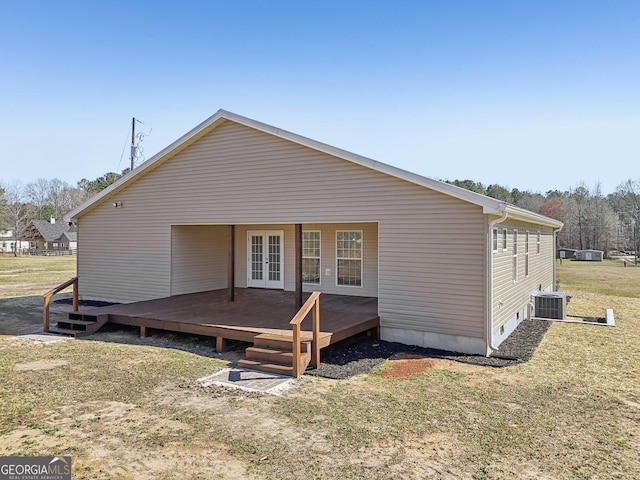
231,264
298,266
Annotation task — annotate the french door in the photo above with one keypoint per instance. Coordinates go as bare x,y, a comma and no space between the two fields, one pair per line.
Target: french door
265,268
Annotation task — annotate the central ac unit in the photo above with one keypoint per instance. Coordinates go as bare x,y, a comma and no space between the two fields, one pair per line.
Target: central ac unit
550,305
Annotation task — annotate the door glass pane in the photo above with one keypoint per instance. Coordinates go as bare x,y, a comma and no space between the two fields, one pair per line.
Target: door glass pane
256,257
274,258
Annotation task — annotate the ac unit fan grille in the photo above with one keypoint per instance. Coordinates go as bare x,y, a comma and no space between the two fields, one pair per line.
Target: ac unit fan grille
550,305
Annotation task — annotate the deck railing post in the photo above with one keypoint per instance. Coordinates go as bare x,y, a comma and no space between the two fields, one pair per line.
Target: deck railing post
296,350
76,301
47,300
315,343
45,314
311,305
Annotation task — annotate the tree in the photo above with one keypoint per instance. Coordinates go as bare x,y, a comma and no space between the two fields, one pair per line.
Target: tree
36,194
16,211
626,204
499,192
552,208
530,201
579,212
469,185
3,206
91,187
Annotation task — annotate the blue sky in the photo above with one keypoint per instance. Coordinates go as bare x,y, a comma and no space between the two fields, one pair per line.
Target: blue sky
530,95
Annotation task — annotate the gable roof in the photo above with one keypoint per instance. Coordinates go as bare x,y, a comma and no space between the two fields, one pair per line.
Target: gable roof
489,205
71,236
50,232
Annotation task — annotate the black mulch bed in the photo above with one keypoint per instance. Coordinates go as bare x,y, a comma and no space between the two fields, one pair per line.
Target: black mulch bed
85,303
354,357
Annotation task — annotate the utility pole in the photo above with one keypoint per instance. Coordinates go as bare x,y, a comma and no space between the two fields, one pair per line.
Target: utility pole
133,139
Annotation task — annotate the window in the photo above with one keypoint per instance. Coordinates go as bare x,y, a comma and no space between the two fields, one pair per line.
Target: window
526,253
515,255
494,240
504,239
538,243
311,257
349,258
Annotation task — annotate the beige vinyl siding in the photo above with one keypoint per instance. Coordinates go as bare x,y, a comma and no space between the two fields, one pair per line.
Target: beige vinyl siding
198,258
111,269
510,296
431,246
328,257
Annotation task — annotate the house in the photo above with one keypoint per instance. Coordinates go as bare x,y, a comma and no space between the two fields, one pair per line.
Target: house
8,242
590,255
450,268
51,236
566,253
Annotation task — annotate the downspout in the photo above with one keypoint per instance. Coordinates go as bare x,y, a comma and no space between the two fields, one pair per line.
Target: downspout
555,252
490,346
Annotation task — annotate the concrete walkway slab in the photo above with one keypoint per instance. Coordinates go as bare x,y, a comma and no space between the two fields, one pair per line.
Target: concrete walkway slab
42,337
249,380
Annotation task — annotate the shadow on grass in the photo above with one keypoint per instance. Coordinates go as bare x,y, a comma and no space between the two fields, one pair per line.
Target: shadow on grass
198,344
23,315
20,315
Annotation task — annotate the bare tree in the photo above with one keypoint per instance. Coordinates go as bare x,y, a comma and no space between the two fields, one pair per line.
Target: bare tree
16,212
580,197
36,194
626,202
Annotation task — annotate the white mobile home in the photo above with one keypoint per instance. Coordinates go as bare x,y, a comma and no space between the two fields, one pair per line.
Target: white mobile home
449,268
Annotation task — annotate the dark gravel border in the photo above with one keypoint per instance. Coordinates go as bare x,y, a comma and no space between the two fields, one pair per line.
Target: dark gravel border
355,357
362,354
85,303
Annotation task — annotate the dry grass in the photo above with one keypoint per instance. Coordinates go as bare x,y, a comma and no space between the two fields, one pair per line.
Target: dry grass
33,274
609,277
124,407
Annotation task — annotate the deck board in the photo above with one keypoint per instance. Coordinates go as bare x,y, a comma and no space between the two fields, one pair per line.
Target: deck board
253,312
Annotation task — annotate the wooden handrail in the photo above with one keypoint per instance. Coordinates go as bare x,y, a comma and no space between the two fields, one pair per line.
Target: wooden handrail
47,299
312,304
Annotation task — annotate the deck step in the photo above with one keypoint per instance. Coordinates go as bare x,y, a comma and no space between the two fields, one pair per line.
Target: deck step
266,367
62,331
79,324
279,342
76,322
280,357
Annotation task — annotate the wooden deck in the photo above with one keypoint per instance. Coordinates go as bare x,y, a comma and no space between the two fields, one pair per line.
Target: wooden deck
254,312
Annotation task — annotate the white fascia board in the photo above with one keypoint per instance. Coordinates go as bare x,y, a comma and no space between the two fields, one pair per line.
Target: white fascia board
516,213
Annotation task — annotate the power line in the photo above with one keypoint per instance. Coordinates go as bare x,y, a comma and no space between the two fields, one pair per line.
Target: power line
126,138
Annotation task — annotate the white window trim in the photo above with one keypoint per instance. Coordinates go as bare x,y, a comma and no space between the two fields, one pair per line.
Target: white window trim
319,257
494,240
526,253
505,241
538,235
514,243
361,259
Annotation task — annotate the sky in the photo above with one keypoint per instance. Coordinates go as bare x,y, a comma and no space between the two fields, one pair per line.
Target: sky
531,95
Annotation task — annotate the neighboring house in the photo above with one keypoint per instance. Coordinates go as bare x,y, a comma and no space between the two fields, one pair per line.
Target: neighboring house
49,235
567,253
451,269
8,243
590,255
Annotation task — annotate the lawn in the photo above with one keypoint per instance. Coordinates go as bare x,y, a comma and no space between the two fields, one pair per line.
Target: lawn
124,407
34,273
